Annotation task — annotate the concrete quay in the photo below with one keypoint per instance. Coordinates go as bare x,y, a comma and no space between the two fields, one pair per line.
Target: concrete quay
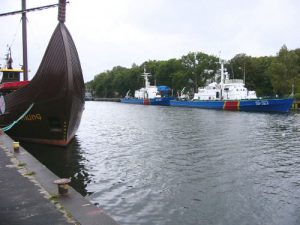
29,196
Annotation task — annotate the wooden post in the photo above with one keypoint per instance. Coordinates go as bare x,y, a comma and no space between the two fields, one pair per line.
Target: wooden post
62,11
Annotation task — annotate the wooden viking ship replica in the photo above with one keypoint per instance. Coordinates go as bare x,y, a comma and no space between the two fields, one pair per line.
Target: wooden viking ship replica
47,109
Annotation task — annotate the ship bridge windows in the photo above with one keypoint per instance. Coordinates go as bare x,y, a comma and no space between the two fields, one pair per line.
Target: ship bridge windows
13,75
10,76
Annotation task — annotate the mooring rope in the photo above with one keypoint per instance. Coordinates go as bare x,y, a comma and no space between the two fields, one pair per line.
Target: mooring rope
8,127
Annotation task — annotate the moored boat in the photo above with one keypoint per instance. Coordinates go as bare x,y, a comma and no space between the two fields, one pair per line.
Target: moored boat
88,96
258,105
149,95
47,109
231,94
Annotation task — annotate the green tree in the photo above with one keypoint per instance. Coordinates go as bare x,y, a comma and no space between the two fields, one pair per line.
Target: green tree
284,72
253,71
197,64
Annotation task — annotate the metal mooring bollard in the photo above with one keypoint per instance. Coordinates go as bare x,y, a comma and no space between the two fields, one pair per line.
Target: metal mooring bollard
63,185
16,146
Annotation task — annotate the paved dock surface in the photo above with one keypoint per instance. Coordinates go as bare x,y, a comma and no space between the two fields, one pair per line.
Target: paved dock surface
28,195
21,202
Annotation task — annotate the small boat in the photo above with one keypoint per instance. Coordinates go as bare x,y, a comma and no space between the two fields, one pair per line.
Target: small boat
231,94
88,96
47,109
149,95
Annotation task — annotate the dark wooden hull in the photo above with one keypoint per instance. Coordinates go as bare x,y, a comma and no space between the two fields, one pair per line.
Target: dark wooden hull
56,92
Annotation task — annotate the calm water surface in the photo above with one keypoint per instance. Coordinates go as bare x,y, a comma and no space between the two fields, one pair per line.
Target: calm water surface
161,165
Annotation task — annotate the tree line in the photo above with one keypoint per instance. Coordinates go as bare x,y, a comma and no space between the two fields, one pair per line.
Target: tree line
268,76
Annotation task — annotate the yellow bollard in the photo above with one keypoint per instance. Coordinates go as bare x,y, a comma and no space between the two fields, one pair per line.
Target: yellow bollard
16,145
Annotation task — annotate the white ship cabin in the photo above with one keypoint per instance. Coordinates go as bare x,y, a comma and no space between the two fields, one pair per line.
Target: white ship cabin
234,89
210,92
148,91
227,89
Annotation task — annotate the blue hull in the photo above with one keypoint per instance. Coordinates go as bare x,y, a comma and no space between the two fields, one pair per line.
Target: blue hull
153,101
255,105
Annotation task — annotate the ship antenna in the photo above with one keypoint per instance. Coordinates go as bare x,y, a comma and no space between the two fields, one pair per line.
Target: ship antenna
9,59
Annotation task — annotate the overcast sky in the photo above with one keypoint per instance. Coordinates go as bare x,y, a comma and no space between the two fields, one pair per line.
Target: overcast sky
109,33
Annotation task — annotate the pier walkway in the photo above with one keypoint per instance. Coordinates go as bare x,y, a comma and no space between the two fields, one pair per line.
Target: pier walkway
29,196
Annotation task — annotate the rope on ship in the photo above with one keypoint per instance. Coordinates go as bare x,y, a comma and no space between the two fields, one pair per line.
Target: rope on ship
8,127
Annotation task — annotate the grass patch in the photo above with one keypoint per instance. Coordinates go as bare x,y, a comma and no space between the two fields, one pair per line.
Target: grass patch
21,164
30,174
69,215
54,198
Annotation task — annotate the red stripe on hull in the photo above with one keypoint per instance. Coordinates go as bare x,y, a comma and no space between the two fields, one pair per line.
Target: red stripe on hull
232,105
147,101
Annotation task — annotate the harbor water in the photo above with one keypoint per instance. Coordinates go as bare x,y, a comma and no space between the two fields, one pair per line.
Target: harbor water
156,165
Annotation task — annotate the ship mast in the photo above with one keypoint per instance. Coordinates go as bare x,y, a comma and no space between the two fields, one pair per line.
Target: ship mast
24,40
222,72
146,75
222,76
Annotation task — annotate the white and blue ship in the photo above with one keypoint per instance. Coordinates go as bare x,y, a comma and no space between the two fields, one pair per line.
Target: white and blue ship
231,94
149,95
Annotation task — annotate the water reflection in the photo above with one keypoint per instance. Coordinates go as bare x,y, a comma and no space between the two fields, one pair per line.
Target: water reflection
64,162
